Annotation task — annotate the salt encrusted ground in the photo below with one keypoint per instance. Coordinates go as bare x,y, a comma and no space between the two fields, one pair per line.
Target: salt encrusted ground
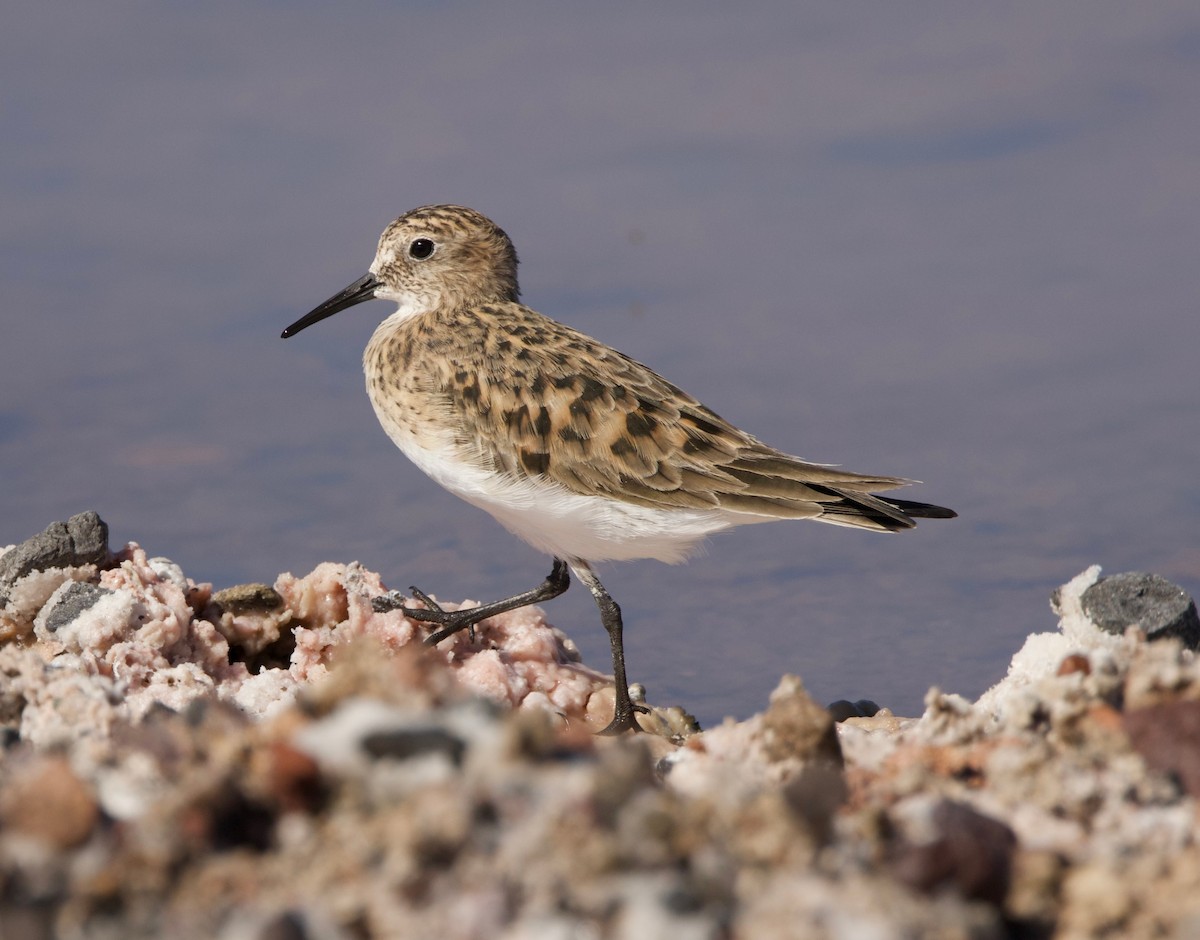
281,761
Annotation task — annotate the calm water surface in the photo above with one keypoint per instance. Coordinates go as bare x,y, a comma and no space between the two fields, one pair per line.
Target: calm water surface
959,248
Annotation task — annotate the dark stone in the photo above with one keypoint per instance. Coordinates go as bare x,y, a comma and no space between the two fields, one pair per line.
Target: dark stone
77,597
843,709
248,598
89,538
972,852
50,548
866,708
403,743
1152,603
238,821
81,540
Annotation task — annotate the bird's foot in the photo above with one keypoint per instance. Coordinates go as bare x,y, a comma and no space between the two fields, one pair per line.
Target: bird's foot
623,717
450,621
623,722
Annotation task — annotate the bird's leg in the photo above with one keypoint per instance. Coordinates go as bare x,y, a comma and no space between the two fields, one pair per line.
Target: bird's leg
610,616
451,621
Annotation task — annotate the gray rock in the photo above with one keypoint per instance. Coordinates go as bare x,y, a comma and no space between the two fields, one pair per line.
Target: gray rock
403,743
73,599
1150,602
843,709
81,540
89,538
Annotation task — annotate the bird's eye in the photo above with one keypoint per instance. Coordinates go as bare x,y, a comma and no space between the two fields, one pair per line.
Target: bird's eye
421,248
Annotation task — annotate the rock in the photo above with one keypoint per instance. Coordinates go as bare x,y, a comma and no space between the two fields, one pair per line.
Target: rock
81,540
45,800
796,727
1147,601
247,598
1074,663
251,617
403,743
89,538
169,571
814,795
957,846
73,599
843,709
1168,738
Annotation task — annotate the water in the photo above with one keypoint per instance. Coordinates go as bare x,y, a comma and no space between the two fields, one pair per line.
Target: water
960,249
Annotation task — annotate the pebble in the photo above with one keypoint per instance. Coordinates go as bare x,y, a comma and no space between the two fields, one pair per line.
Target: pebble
69,601
81,540
959,846
248,598
45,800
1147,601
843,709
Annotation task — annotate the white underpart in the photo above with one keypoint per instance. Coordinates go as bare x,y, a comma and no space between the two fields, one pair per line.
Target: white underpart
553,519
568,525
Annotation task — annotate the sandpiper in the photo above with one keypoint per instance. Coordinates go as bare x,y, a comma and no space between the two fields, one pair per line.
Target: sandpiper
572,446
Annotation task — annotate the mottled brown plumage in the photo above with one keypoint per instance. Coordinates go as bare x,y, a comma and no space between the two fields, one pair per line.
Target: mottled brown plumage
539,399
573,446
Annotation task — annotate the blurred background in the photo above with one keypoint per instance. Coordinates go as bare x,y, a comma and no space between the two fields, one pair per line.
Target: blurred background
954,244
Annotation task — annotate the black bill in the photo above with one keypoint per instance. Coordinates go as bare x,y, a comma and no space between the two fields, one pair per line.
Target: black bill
362,289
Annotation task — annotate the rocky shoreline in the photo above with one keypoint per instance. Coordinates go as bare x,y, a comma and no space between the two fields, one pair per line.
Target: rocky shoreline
281,761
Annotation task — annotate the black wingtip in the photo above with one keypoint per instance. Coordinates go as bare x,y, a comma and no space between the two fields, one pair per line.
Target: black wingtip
921,510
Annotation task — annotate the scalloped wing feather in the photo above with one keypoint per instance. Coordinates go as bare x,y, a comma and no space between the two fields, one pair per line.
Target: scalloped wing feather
539,399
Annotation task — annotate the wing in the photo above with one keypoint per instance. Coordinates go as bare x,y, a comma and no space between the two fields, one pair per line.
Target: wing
542,399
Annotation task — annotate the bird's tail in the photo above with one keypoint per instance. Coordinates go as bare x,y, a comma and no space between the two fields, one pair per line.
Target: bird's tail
880,513
921,510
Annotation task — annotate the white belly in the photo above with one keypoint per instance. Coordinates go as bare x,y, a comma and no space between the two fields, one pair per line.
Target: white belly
557,521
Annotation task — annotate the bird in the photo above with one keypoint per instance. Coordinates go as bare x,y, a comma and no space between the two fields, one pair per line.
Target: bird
581,451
